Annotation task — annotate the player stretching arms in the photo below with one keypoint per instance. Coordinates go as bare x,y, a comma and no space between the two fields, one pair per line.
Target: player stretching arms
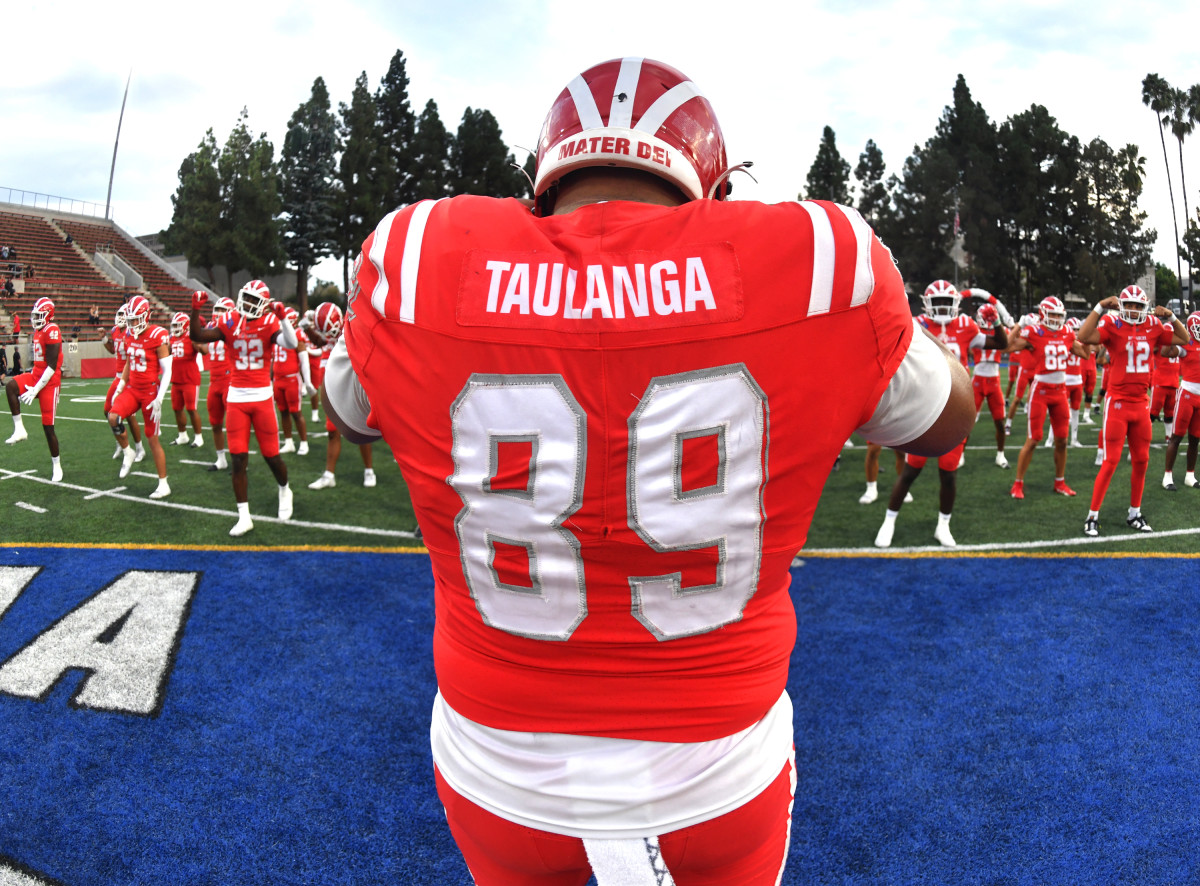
985,380
1187,410
292,383
114,342
185,380
219,366
144,383
42,382
1131,340
328,327
1051,344
248,333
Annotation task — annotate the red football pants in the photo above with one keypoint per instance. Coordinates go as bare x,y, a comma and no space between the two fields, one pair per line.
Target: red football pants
747,846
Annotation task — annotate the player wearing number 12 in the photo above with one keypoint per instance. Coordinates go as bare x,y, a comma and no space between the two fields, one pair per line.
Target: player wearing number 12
596,409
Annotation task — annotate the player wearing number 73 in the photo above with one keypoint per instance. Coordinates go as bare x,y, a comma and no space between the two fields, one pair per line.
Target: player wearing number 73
595,407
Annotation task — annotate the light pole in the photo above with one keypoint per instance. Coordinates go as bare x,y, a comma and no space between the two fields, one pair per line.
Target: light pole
112,170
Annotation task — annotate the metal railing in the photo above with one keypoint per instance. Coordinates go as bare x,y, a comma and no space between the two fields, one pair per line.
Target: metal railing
18,197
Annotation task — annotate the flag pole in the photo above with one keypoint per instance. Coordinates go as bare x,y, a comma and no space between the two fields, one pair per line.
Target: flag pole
112,170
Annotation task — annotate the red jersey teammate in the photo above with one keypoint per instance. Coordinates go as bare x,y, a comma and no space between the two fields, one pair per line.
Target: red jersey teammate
185,381
1187,410
292,382
595,398
1164,393
219,364
960,335
114,342
144,383
1131,339
985,380
248,333
42,382
1051,343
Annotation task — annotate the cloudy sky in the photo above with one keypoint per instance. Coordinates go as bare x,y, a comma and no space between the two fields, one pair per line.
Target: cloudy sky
874,69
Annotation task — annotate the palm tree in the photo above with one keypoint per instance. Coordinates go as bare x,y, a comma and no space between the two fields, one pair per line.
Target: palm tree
1156,95
1182,124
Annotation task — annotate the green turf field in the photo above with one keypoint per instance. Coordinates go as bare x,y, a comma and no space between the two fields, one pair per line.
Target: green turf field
92,505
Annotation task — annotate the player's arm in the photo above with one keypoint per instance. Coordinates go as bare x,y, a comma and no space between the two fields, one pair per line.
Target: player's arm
1079,349
928,407
346,402
1016,343
286,335
107,341
1087,332
52,351
1181,333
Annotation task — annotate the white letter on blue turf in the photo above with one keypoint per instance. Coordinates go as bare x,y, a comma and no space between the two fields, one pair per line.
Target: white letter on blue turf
13,580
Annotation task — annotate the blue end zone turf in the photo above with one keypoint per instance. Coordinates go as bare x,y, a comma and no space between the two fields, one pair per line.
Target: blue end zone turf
191,717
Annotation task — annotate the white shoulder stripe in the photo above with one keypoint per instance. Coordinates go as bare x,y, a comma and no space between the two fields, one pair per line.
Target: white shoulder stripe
621,114
585,104
410,262
666,105
864,276
378,247
821,295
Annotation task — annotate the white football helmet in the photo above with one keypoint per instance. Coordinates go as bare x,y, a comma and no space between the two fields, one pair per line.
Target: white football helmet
1052,312
121,318
253,299
1135,304
1073,324
941,301
329,320
221,307
42,313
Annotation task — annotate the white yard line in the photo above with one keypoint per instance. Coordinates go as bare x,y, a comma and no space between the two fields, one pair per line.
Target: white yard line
27,506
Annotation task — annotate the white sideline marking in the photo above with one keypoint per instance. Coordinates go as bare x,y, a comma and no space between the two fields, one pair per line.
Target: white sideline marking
196,509
27,506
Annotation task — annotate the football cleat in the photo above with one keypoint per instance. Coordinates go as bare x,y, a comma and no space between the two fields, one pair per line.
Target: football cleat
1049,442
1191,481
56,474
316,415
1001,461
243,525
197,442
18,435
139,453
288,446
1086,417
942,534
117,453
368,478
1075,444
181,440
325,481
126,462
302,449
869,496
1169,483
883,538
1091,526
908,498
1018,489
1061,487
163,490
1099,457
1139,522
285,502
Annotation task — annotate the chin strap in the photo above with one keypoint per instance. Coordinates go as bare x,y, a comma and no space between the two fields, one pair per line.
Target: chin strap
741,167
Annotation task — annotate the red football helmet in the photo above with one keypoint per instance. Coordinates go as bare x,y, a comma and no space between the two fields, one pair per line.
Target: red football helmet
941,301
987,316
41,313
222,306
253,299
1073,324
329,319
291,315
137,314
635,113
1193,325
179,325
1135,304
1053,313
122,317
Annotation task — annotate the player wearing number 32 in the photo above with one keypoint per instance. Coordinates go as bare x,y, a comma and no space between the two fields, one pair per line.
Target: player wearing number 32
1131,337
596,409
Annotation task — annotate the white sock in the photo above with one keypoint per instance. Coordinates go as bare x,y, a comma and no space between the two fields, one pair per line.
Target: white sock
1093,515
871,486
1190,475
243,509
1134,512
890,516
54,460
1074,423
1170,428
943,519
1168,477
17,423
328,474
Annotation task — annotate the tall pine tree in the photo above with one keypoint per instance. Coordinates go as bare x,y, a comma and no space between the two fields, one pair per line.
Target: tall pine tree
196,217
397,126
359,200
829,176
480,162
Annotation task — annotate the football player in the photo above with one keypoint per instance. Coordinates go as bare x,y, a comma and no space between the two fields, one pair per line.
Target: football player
144,383
1164,390
1074,384
595,397
985,380
871,468
292,382
42,382
218,384
1021,367
1187,411
328,326
1131,338
114,342
185,380
248,332
960,335
308,322
1051,343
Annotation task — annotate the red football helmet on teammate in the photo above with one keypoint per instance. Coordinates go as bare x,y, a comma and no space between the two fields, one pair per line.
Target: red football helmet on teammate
137,313
987,316
122,317
42,313
1052,312
253,299
634,113
1135,304
221,307
941,301
1193,325
329,320
1073,324
179,325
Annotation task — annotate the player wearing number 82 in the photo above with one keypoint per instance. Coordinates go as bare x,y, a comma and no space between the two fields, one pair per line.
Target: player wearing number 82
596,409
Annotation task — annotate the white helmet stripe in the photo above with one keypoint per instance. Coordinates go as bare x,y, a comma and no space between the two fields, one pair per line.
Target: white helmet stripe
585,104
666,105
621,113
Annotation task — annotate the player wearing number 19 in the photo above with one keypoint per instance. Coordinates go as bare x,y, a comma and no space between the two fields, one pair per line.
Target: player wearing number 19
1131,339
596,409
248,332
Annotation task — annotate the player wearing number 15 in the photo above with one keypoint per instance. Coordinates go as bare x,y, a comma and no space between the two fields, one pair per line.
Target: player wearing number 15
596,408
248,334
1131,338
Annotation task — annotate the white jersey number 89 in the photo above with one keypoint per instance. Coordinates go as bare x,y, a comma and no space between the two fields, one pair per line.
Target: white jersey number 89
723,403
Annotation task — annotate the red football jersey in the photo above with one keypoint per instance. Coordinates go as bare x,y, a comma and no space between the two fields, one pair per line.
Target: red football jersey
249,343
1130,348
959,335
217,360
1189,363
582,407
184,369
1166,371
119,337
287,360
1051,350
142,353
47,335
